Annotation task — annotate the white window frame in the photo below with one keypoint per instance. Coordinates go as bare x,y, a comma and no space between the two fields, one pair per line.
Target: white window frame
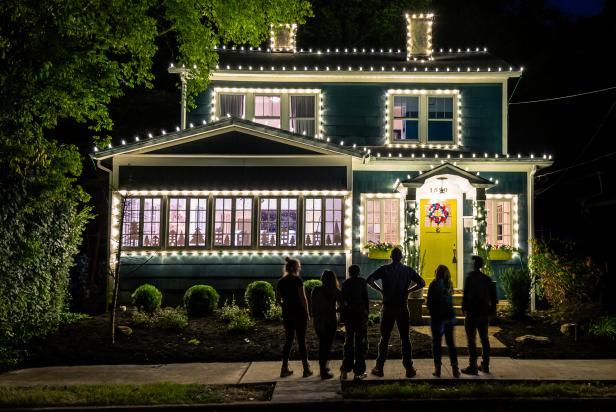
513,218
423,95
363,217
285,103
161,228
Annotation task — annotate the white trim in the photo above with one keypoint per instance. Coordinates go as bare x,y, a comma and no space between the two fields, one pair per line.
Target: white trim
505,118
426,164
363,235
530,183
424,96
236,252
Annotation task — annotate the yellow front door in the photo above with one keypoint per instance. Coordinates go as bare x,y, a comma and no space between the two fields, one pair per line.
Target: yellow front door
437,237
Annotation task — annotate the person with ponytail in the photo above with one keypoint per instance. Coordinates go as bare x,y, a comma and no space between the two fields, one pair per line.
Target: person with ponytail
291,295
442,319
323,307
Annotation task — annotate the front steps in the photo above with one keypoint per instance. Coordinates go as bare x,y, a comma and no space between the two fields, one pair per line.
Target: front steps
457,306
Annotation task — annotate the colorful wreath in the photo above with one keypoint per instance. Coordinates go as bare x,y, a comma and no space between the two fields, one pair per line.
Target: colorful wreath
436,217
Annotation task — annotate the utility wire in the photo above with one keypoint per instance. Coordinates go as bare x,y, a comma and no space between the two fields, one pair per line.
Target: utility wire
577,165
565,97
582,151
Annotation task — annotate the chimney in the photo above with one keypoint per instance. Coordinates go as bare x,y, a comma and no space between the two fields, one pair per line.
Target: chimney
418,35
282,37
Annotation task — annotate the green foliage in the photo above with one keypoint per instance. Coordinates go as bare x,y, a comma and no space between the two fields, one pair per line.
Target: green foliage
310,284
172,319
604,327
481,244
68,318
374,319
565,279
273,312
147,298
143,319
238,319
516,284
258,297
194,342
200,300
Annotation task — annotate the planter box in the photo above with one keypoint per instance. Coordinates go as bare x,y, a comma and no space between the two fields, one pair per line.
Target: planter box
379,254
496,254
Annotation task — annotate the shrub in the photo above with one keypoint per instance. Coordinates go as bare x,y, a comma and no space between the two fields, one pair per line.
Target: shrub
374,319
309,285
200,300
238,319
604,327
147,298
141,318
273,312
516,284
174,319
258,297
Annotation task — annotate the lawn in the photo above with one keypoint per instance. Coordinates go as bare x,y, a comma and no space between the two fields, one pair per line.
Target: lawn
150,394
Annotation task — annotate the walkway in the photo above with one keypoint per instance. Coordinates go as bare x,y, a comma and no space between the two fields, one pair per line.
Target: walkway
295,388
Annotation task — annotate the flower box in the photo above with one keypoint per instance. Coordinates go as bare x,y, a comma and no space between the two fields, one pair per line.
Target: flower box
498,254
379,254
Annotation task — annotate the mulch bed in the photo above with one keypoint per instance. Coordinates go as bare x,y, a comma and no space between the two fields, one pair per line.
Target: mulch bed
561,346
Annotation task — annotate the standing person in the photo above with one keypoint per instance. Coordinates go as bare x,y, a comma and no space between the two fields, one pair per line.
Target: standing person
478,303
442,319
354,314
291,295
397,280
323,302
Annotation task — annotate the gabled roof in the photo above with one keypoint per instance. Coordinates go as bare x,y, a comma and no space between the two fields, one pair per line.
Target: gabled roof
447,168
163,144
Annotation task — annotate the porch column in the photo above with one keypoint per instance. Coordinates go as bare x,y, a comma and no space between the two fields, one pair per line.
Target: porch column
480,219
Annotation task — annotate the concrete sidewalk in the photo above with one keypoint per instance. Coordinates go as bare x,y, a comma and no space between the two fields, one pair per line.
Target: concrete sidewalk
253,372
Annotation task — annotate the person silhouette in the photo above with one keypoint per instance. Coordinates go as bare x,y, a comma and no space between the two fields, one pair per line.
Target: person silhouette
323,302
354,314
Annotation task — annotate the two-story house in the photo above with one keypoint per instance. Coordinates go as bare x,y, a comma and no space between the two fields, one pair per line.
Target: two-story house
315,153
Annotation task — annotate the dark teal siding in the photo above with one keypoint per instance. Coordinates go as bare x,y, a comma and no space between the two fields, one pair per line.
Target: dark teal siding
355,113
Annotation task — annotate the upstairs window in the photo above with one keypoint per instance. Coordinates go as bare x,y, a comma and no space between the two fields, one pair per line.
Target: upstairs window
302,112
499,219
267,110
424,116
233,105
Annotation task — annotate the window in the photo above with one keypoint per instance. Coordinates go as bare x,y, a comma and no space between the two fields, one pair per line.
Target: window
197,229
302,115
141,223
187,222
323,222
406,117
499,220
233,221
232,105
267,110
278,222
440,119
424,116
296,110
383,220
177,222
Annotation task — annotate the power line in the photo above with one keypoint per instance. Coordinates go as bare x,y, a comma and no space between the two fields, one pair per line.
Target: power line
566,97
577,165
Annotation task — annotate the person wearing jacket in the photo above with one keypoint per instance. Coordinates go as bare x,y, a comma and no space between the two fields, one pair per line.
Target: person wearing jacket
478,304
442,319
323,302
354,314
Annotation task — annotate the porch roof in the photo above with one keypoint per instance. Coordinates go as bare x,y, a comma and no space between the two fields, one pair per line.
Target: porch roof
446,168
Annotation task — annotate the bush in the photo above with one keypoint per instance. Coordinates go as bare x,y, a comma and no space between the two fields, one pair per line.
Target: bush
238,319
174,319
141,318
147,298
516,284
200,300
258,297
273,312
309,285
604,327
374,319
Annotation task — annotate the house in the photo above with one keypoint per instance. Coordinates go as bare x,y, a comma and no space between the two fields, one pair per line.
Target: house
314,154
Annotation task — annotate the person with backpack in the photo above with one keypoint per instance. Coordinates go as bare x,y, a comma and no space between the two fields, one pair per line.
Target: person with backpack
354,314
442,319
323,302
397,281
478,304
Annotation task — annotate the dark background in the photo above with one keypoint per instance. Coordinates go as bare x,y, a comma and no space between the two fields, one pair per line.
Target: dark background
566,47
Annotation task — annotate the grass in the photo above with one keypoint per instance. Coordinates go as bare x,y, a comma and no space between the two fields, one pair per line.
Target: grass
149,394
482,390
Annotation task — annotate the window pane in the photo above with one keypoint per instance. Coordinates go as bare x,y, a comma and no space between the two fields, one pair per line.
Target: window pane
406,129
440,130
302,126
243,221
391,221
198,222
333,221
302,106
177,222
268,222
406,106
288,222
268,122
440,107
313,221
499,222
151,222
222,221
232,104
130,227
267,106
373,220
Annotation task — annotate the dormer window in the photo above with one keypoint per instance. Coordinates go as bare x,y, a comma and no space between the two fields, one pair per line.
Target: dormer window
282,37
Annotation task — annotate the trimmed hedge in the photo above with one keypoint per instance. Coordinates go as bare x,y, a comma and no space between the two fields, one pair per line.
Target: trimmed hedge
258,297
147,298
200,300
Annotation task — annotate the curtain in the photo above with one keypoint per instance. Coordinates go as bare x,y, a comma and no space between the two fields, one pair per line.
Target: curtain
232,104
